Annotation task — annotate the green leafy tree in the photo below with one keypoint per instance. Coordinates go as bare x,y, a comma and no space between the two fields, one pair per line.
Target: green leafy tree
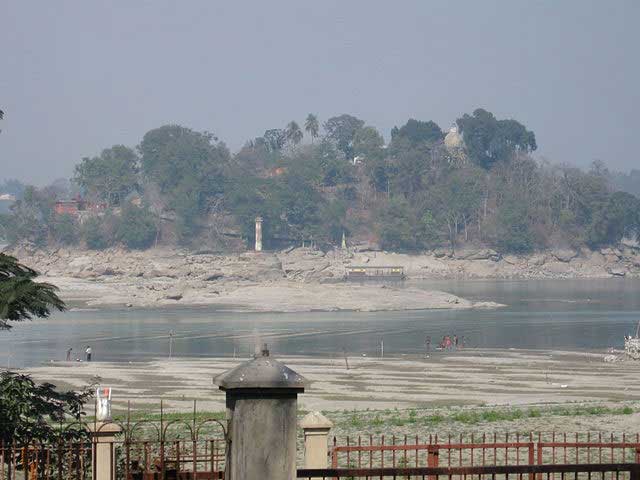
254,157
171,154
489,140
396,223
31,217
368,142
95,233
297,204
65,229
137,227
312,126
409,170
455,201
334,220
619,218
109,177
249,197
31,413
428,230
380,171
334,169
514,228
342,130
417,131
275,138
188,207
189,167
22,298
293,133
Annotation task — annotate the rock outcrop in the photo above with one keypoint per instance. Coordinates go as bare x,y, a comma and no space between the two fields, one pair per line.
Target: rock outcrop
173,276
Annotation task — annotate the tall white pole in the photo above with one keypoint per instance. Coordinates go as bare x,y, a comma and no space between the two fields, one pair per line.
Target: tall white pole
258,234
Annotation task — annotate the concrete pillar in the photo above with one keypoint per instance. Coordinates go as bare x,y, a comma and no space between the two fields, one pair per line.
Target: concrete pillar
103,456
316,432
258,234
261,419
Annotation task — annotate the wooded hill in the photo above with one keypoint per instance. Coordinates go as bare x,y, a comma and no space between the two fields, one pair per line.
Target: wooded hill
426,188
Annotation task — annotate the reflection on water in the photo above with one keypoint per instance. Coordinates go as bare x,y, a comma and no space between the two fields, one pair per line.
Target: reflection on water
564,314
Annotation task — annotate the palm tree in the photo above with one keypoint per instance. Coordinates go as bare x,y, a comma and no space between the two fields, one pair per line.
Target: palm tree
312,126
293,133
21,298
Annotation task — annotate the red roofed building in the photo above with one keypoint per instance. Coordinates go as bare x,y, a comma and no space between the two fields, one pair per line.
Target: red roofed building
77,205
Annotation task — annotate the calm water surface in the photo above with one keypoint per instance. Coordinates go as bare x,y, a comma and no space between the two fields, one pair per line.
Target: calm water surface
563,314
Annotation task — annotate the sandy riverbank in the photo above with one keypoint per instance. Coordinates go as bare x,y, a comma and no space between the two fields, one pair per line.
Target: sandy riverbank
296,280
474,377
279,296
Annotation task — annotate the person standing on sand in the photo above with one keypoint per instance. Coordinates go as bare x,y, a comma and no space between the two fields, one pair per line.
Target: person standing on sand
427,343
455,341
69,354
88,352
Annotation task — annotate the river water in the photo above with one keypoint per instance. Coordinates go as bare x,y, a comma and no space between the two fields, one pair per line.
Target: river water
544,314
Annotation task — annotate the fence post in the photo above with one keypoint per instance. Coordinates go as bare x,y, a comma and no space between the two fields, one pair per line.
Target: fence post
261,398
433,452
532,458
316,431
103,458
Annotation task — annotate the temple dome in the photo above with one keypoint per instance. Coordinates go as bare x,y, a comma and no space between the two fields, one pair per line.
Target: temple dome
453,140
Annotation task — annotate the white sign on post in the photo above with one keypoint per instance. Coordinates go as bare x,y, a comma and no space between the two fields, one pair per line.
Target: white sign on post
103,405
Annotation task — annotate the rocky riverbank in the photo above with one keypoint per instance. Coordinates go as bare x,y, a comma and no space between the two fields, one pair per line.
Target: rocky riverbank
298,279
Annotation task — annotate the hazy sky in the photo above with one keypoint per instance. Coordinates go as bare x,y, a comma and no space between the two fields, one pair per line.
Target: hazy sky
79,76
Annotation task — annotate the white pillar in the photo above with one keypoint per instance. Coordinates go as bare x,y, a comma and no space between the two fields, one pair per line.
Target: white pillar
316,432
258,234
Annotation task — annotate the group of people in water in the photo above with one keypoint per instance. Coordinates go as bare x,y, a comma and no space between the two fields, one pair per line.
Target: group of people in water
87,352
448,342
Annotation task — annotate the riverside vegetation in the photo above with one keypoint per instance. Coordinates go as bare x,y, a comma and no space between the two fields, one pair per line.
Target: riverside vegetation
422,190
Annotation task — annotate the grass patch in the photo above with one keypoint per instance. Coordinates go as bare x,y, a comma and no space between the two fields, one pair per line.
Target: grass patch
412,417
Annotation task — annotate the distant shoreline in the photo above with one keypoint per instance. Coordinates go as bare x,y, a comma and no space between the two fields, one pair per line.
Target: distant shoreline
301,279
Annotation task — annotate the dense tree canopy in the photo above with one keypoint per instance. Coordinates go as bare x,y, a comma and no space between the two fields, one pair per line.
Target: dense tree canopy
368,142
618,218
111,176
275,139
416,131
173,154
489,140
410,194
342,130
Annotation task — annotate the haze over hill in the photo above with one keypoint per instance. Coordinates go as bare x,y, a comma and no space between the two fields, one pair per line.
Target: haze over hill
79,76
476,185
